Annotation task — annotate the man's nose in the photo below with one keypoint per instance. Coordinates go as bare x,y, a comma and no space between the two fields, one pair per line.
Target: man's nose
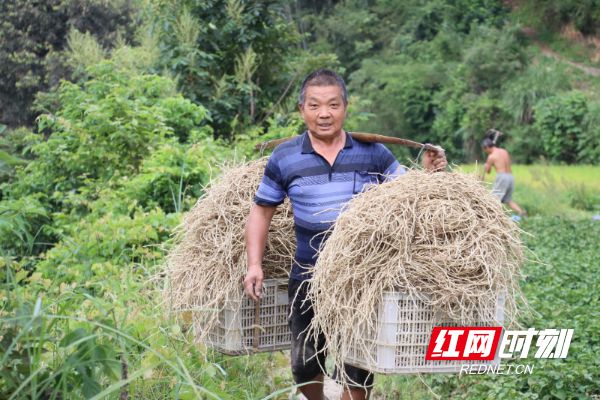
323,112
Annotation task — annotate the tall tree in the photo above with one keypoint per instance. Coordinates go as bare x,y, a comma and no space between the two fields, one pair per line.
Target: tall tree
33,35
230,55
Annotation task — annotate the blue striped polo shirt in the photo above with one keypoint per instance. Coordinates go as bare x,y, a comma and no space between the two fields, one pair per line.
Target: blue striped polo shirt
318,190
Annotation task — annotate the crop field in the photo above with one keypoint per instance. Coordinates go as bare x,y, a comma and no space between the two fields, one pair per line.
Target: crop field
553,190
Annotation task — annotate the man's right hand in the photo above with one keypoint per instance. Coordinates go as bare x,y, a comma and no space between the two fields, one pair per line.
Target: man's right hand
253,283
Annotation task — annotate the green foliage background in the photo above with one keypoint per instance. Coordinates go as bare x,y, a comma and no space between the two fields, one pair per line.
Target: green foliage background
115,114
33,40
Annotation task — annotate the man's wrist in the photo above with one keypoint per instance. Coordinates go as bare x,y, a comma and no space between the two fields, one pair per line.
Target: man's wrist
257,267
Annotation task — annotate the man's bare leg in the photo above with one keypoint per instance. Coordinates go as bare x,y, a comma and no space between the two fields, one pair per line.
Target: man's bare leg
355,394
516,207
313,391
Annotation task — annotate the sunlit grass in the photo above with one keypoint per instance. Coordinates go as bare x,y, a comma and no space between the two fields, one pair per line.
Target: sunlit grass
567,190
534,175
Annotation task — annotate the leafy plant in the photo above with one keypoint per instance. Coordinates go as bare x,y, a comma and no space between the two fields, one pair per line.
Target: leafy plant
104,128
588,147
235,64
559,120
21,224
583,198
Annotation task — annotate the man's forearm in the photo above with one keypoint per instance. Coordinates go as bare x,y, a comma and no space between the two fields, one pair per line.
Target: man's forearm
257,230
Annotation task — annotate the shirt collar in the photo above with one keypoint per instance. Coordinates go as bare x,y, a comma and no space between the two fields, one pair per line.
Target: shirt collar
307,146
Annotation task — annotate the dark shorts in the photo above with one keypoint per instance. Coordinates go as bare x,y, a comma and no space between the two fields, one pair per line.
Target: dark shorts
305,367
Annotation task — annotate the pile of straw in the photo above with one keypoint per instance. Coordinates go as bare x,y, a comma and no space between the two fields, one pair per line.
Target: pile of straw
207,264
440,237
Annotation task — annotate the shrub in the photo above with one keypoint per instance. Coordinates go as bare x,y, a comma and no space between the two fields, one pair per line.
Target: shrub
559,121
524,144
105,244
399,93
228,55
105,128
539,81
588,147
173,177
584,14
21,222
107,124
481,113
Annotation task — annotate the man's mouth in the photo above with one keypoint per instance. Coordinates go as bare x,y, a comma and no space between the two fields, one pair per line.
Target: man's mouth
325,126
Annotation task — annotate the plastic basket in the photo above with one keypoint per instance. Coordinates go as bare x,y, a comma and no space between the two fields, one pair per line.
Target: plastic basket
401,333
242,330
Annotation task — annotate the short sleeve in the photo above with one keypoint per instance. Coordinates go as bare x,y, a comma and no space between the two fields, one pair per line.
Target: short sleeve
270,191
388,165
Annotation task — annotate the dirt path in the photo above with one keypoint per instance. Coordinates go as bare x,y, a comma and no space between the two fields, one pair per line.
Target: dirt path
548,52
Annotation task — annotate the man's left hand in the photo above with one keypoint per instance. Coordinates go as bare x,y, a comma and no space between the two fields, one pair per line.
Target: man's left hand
435,160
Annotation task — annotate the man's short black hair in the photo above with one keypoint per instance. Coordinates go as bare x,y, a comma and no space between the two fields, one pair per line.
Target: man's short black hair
322,77
487,142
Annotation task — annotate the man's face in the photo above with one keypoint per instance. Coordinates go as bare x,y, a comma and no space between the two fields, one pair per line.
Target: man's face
324,111
487,150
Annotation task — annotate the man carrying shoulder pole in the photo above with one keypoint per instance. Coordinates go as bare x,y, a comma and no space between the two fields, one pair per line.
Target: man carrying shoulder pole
319,171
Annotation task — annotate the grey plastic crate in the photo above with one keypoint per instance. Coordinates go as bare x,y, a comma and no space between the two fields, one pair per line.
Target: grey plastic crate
401,332
238,331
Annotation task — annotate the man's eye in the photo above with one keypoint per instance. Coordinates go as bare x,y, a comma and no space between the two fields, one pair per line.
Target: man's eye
312,106
334,105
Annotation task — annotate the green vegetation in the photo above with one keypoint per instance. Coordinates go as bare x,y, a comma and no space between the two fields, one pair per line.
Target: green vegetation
554,14
97,169
33,40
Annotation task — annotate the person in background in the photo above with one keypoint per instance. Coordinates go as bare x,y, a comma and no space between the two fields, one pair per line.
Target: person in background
504,184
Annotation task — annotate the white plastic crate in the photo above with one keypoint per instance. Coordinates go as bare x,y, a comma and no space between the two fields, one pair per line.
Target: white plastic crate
241,331
401,333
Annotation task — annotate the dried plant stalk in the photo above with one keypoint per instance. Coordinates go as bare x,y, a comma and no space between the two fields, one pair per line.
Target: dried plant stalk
206,266
441,237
